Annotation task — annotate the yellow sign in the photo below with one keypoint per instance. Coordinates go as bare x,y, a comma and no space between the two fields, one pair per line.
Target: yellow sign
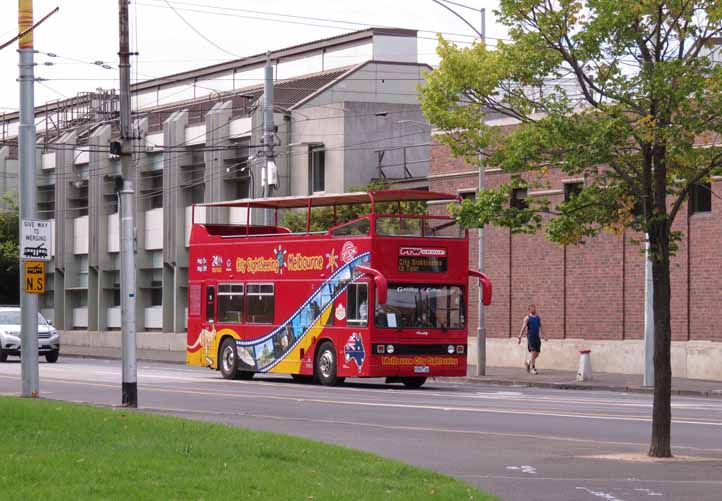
35,277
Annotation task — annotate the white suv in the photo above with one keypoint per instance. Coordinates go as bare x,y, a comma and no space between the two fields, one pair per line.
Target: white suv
48,338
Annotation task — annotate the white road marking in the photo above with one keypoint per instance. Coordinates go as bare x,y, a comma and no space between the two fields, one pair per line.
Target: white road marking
648,492
600,494
524,469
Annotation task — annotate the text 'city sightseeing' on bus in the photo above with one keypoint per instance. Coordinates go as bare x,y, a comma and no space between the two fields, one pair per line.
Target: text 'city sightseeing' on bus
382,295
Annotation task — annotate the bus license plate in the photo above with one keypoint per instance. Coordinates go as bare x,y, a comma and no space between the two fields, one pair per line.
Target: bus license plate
421,369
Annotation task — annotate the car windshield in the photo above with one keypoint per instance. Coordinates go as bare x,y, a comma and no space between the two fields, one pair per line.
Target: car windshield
12,317
422,307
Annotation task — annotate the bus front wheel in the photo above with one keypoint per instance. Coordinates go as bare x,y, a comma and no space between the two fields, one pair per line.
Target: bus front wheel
326,365
413,382
228,361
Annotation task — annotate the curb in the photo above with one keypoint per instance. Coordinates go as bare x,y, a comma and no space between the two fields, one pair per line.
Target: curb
589,387
111,357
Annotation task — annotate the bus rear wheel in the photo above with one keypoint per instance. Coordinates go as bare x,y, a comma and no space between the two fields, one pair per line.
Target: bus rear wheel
326,365
413,382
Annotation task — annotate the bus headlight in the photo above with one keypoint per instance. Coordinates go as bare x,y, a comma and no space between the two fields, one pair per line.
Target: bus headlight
460,349
390,349
451,349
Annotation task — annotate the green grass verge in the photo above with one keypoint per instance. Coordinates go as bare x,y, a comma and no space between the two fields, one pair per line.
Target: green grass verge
55,450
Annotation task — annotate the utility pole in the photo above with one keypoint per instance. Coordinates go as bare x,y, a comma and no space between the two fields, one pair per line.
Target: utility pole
27,141
126,200
648,379
269,172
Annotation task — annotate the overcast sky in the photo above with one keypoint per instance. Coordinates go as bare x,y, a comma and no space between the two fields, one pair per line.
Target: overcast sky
86,31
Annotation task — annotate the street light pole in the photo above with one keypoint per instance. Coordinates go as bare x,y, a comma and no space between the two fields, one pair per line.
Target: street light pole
481,328
26,142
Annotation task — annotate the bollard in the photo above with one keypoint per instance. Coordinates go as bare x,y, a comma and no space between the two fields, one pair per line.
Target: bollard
584,373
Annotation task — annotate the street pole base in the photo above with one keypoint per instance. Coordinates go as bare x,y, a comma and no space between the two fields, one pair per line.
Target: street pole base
130,395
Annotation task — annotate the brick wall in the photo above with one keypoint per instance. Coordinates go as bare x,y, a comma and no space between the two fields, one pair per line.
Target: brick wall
595,290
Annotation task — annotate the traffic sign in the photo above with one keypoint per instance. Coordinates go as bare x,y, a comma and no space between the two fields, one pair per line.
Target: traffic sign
35,240
35,277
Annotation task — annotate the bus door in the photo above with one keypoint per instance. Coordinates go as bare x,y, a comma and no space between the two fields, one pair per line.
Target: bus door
355,341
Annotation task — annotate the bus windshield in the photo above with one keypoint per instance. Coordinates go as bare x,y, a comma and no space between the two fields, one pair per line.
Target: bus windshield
422,307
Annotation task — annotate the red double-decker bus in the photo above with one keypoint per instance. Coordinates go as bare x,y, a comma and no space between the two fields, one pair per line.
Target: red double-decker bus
382,295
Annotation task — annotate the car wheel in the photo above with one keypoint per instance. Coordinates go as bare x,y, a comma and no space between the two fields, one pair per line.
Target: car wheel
3,356
228,359
413,382
52,356
326,365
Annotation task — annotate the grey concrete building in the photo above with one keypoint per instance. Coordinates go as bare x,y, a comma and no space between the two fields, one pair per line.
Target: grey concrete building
347,113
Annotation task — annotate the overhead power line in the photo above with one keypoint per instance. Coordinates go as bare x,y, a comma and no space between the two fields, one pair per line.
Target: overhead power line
197,32
294,19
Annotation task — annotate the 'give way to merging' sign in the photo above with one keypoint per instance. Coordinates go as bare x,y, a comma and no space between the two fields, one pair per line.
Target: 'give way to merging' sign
35,240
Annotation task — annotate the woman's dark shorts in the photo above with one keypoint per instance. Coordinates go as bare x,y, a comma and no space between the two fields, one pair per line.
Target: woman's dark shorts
534,344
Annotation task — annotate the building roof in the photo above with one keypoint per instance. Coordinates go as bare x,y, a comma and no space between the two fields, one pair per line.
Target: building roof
287,93
258,60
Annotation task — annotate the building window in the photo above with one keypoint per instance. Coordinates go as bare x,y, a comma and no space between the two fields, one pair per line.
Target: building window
317,169
260,302
571,190
210,304
519,199
230,303
357,304
156,293
468,195
700,198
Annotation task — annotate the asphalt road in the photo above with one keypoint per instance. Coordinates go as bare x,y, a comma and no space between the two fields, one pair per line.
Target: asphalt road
520,444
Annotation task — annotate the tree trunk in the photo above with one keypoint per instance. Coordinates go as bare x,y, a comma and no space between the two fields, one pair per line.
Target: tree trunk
661,411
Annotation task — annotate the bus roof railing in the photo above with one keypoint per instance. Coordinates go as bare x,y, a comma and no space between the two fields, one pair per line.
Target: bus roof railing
361,197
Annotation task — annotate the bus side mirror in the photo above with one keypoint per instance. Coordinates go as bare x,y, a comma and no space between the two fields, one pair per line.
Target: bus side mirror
382,285
485,285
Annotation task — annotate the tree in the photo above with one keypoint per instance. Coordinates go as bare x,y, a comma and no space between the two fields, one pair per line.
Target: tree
623,93
9,254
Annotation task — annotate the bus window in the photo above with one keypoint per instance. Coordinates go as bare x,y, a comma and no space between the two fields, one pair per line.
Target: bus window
260,302
230,303
422,307
357,304
210,304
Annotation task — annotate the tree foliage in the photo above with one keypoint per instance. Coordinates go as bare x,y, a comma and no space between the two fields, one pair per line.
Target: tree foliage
323,218
621,93
9,253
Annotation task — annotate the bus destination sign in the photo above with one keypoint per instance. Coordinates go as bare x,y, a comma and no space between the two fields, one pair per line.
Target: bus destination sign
422,260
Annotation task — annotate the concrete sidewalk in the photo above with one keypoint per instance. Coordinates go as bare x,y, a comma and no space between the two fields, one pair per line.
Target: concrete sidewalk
566,380
506,376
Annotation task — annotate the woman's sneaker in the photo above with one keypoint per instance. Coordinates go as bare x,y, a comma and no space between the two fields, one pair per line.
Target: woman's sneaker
533,371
